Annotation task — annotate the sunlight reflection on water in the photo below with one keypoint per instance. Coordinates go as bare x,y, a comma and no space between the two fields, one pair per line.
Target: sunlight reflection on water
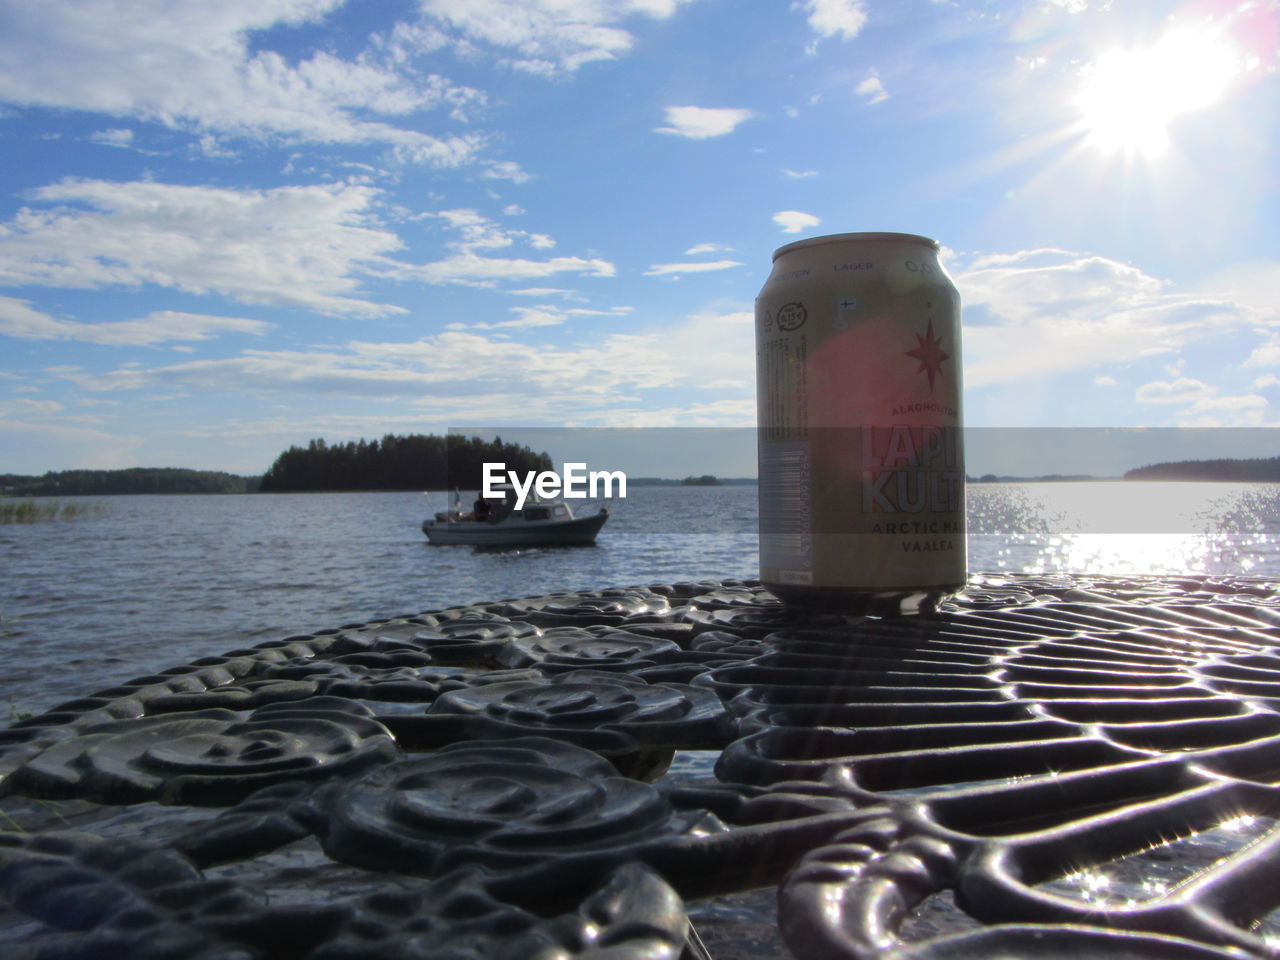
1125,528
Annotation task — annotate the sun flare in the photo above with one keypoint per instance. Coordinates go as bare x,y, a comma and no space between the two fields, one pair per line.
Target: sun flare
1130,97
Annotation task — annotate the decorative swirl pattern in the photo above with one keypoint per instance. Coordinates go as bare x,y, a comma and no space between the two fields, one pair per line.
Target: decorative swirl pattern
632,914
527,803
205,757
383,678
242,696
474,638
89,897
609,607
561,649
1048,766
592,708
756,621
743,596
850,901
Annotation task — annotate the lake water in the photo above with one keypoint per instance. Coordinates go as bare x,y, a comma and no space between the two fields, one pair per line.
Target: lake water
148,582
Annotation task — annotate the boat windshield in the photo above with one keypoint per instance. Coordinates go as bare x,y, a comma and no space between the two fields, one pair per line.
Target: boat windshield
508,495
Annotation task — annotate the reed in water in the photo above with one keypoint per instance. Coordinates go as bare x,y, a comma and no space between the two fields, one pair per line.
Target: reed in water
32,511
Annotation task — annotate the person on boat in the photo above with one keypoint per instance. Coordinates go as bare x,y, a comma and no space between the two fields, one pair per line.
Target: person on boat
499,510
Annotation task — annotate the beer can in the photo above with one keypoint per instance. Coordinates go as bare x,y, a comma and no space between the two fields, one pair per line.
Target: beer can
859,429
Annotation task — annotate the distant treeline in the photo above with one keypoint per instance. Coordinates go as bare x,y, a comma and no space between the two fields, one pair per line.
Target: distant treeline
1236,471
96,483
1045,478
690,482
415,462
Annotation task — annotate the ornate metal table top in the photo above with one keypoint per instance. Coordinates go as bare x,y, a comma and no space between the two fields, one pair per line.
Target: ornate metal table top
1049,767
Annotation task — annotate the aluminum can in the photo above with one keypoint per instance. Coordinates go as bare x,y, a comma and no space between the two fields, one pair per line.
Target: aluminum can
859,425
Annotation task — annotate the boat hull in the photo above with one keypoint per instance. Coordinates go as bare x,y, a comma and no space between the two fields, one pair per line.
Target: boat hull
580,531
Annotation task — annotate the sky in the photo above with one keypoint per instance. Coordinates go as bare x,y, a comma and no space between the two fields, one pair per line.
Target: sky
230,227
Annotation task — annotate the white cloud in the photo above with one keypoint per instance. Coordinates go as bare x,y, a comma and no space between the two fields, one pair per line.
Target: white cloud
293,246
542,316
433,366
23,406
209,146
1037,312
112,138
1182,390
307,247
667,269
189,63
700,248
872,90
719,348
1105,381
547,292
548,37
19,319
1256,284
1040,255
1266,355
478,231
793,221
505,170
462,374
730,412
466,266
1231,404
799,174
701,123
526,317
830,17
423,150
1071,6
1204,405
470,269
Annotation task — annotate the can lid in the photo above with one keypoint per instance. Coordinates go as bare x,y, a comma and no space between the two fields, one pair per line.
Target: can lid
845,237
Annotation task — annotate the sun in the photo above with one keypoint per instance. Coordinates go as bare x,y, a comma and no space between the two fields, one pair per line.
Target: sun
1130,97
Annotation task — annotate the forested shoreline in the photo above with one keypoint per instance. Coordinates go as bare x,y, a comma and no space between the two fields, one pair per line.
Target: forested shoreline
414,462
427,462
103,483
1262,470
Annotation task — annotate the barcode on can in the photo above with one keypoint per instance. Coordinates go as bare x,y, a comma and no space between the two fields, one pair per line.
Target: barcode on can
786,514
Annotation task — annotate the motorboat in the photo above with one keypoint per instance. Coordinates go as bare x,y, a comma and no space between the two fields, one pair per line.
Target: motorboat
496,522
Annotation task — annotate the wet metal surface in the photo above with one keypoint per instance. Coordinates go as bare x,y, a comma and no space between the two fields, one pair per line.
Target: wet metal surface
1057,766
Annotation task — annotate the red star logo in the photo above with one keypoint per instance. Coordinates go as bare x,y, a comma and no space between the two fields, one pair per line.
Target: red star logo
930,354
